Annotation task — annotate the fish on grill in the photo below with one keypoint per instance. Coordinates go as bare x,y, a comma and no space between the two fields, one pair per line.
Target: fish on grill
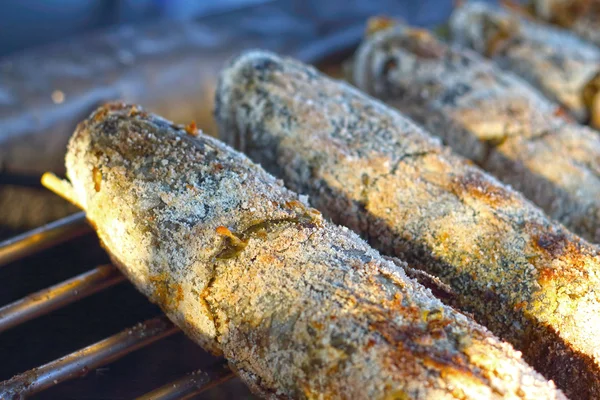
580,16
563,67
368,167
491,117
299,307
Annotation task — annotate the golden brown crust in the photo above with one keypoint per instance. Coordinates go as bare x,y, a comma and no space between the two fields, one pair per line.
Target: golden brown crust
492,118
299,307
369,168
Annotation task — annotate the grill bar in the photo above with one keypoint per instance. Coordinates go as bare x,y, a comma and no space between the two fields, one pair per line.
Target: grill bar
80,362
190,385
57,296
43,237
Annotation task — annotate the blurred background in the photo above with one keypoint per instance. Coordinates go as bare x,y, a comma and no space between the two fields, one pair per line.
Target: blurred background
28,23
60,59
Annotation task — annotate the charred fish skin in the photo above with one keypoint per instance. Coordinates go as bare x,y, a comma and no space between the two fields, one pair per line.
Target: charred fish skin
299,307
367,167
491,117
560,65
579,16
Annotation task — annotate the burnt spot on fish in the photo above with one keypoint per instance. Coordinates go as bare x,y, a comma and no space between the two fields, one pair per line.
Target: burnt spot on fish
474,184
413,341
552,243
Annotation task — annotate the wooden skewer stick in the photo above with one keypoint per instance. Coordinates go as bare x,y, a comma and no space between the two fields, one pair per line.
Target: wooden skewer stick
60,187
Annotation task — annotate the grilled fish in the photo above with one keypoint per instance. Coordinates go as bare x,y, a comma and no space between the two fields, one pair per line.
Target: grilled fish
491,117
368,167
563,67
580,16
299,307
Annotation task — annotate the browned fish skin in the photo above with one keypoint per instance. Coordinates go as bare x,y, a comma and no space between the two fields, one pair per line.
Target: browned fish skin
580,16
491,117
553,60
300,308
366,166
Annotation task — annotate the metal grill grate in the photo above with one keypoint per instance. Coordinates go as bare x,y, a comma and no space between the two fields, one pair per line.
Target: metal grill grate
96,355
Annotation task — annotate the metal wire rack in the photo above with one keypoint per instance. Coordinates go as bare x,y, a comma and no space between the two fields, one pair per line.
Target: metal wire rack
80,362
